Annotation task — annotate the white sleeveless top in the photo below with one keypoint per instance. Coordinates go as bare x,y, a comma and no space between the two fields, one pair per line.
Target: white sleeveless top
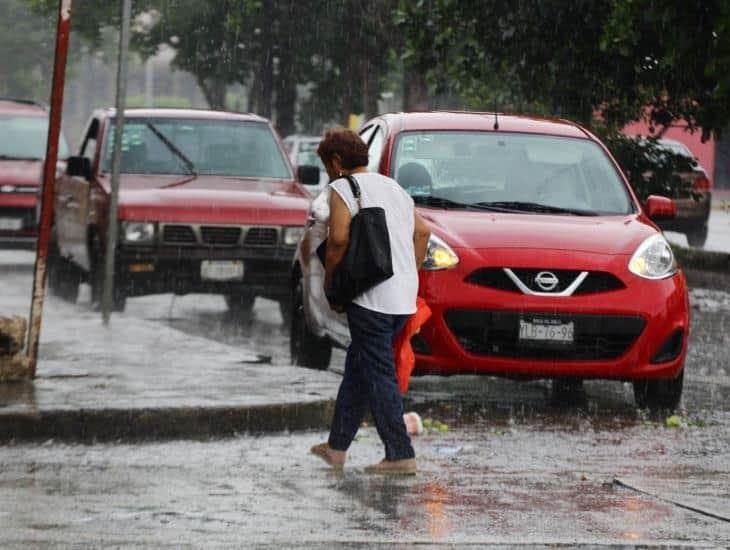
397,295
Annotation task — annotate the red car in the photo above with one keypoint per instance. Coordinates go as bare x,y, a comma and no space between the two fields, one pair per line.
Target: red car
23,135
542,262
208,203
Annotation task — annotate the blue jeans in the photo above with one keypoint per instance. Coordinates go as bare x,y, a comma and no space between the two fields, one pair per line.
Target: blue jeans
369,379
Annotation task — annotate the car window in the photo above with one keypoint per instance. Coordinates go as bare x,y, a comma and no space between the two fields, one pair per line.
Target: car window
24,137
215,147
375,151
88,147
483,167
307,154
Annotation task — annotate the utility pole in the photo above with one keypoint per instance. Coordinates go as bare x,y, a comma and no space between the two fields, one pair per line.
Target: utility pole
112,229
63,30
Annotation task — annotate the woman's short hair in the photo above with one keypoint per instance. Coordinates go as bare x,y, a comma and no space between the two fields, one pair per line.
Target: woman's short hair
346,144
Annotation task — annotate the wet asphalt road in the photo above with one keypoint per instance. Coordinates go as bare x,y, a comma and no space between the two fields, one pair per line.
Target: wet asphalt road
513,467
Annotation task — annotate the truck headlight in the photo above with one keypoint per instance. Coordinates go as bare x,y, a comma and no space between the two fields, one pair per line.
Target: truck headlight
439,255
653,259
292,235
138,232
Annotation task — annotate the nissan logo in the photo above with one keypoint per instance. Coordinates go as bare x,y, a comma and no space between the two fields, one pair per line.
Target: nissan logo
547,280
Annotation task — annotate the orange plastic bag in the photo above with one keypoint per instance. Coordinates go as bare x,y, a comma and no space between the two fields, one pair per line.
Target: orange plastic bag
405,359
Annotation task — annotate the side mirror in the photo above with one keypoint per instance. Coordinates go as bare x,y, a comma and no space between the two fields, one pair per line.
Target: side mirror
79,166
660,208
308,174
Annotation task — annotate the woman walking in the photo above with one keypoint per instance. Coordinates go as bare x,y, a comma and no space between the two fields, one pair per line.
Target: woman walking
376,316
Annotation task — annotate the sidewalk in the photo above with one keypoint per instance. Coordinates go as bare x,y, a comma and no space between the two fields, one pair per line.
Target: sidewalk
140,379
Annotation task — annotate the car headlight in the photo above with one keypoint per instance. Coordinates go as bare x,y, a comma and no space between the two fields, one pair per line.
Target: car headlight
653,259
292,235
439,255
138,232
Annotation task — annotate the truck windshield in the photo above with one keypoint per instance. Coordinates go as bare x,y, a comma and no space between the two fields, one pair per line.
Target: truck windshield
214,147
509,172
24,137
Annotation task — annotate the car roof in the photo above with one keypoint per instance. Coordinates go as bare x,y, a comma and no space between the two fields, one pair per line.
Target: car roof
482,121
22,107
203,114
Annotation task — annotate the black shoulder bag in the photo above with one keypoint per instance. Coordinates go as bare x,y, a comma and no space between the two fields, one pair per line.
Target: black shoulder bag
367,261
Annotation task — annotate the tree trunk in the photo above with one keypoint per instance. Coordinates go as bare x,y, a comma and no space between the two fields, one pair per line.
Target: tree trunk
286,97
415,91
214,92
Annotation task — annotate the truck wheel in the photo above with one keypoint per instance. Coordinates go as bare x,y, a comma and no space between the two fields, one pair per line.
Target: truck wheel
306,349
240,305
64,278
697,236
659,394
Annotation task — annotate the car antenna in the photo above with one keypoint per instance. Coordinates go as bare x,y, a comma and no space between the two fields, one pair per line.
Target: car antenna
496,120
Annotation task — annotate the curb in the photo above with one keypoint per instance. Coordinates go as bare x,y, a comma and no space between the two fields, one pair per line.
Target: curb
103,425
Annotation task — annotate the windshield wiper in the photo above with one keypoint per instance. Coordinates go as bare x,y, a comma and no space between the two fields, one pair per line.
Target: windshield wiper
520,206
442,202
187,163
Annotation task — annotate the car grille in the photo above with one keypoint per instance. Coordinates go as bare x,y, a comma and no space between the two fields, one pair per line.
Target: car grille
495,333
26,214
497,278
178,234
220,236
261,236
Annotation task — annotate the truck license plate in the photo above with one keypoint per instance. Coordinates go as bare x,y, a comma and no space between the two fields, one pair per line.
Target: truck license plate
547,330
11,224
221,270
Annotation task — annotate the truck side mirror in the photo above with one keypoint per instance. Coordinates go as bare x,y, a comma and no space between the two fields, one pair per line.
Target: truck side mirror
308,174
660,208
79,166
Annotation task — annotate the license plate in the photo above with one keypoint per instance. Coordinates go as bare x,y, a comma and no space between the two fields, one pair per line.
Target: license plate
11,224
221,270
547,330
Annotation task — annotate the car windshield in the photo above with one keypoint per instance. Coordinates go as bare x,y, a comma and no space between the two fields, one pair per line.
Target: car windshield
24,137
210,147
307,154
509,172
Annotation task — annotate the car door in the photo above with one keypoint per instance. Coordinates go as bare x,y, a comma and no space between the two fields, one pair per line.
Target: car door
73,204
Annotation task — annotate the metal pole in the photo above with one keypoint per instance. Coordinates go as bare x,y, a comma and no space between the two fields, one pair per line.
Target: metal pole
63,30
112,225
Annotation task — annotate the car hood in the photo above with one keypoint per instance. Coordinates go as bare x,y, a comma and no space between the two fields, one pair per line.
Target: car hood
484,230
20,172
211,199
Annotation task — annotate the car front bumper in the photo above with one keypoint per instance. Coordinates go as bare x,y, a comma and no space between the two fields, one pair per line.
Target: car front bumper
18,228
619,334
152,270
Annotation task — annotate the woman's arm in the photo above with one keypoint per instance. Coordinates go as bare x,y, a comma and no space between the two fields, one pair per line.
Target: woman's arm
421,234
339,235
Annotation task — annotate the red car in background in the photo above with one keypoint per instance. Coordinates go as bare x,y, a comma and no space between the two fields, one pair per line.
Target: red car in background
208,203
542,262
23,135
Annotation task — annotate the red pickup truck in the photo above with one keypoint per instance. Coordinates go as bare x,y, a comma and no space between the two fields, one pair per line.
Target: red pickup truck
208,202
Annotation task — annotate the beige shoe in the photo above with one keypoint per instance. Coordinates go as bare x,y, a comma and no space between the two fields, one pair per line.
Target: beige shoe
331,456
406,466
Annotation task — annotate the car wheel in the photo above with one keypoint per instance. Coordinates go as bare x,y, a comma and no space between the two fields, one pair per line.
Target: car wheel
697,237
96,277
64,278
306,349
240,305
659,394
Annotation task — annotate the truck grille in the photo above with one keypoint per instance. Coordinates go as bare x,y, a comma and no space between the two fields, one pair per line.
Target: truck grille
178,234
261,236
495,333
220,236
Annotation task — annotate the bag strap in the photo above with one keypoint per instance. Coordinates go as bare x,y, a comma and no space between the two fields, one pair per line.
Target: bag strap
355,188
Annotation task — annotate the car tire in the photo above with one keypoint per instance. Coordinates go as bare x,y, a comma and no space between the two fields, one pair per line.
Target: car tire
697,237
64,278
96,277
306,348
659,394
240,305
